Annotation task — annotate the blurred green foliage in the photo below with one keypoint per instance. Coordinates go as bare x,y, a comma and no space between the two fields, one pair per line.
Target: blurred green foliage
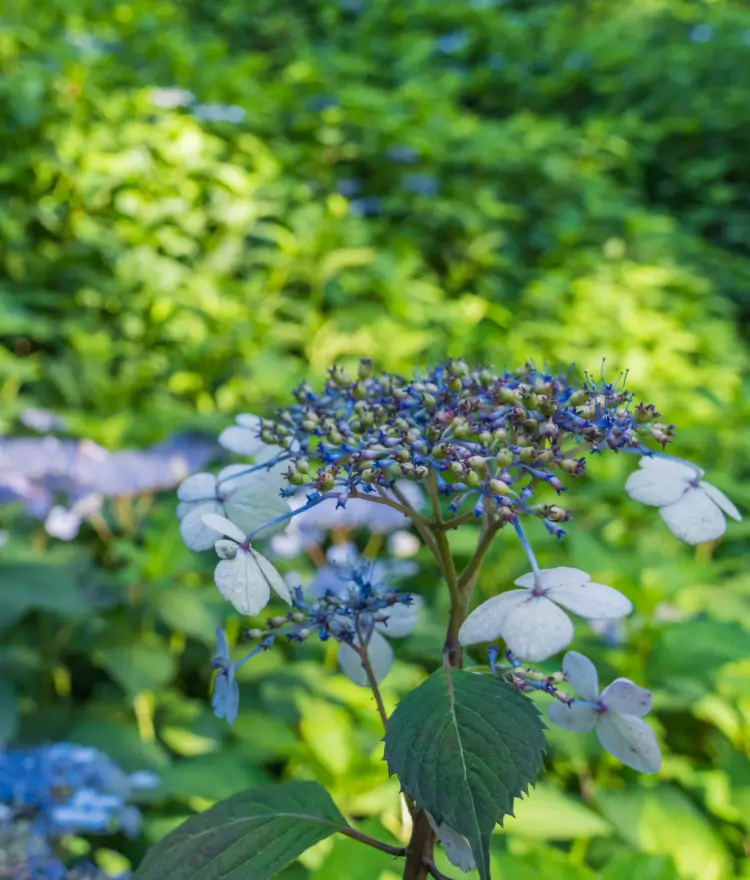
584,187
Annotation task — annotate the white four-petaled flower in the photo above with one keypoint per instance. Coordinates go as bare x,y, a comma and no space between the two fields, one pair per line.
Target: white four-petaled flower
244,437
692,509
243,576
530,620
247,497
615,714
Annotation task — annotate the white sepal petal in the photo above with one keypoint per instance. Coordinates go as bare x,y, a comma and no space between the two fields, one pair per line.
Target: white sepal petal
626,698
720,499
554,577
581,675
536,629
199,487
253,500
630,740
456,847
241,582
656,486
225,549
694,518
195,534
223,526
272,576
401,619
684,470
249,421
592,600
379,653
574,717
241,441
484,624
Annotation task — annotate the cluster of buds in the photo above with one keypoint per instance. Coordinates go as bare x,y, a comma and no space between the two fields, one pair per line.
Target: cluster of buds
348,607
484,437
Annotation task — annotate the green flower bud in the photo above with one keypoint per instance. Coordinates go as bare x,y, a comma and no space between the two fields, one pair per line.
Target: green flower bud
499,487
485,438
455,384
509,395
296,479
326,481
476,463
504,458
579,397
303,465
456,467
473,479
527,455
365,369
500,434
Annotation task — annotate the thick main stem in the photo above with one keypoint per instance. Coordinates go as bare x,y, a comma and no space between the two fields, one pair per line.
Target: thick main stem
419,852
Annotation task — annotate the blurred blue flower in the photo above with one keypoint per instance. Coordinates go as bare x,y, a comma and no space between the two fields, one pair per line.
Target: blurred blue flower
422,184
701,33
322,102
367,206
402,153
348,187
63,789
41,421
219,113
450,44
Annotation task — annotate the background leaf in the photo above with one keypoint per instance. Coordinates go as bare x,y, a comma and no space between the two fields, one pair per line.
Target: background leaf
252,834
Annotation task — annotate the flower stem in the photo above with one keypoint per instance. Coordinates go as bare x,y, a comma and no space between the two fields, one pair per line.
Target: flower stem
398,851
373,682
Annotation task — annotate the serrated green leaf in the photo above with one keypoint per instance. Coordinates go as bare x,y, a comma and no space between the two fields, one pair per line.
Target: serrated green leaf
464,746
253,834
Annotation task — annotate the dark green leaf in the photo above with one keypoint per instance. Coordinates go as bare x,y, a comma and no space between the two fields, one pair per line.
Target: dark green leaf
464,747
250,836
139,667
8,712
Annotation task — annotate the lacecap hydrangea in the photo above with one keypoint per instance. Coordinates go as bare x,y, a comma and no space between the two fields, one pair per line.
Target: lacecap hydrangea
453,446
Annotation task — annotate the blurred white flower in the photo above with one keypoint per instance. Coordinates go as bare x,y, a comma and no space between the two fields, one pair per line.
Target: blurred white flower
170,98
64,523
403,544
247,497
243,576
219,113
456,846
615,714
692,509
530,621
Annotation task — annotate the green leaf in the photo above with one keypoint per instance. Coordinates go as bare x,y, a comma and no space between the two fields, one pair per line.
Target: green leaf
464,747
8,712
253,834
549,814
138,667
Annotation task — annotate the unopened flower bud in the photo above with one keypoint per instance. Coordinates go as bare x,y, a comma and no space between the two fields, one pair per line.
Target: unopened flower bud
455,384
267,437
303,634
421,472
572,466
527,455
545,456
368,475
531,425
303,466
457,468
485,438
254,633
472,479
275,622
499,487
548,429
295,478
365,368
476,463
429,400
509,395
298,617
504,457
579,397
500,434
403,454
326,481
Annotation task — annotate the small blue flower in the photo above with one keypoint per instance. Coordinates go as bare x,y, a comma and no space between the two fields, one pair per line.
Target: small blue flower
403,154
450,44
226,696
348,187
701,33
422,184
